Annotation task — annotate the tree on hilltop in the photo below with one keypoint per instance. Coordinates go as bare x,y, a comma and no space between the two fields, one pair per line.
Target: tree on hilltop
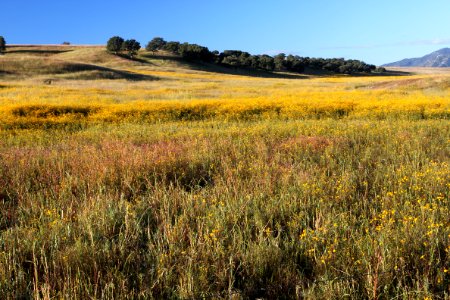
155,44
132,46
171,47
2,44
115,44
195,52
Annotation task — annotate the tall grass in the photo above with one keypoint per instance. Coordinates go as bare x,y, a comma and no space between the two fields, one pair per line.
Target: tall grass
314,209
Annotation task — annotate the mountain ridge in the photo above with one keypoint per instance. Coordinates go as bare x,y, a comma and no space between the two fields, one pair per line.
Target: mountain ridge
439,59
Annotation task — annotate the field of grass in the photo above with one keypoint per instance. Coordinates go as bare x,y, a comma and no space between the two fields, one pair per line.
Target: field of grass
158,179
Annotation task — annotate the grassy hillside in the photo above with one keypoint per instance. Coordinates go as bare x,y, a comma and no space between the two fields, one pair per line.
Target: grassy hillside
157,178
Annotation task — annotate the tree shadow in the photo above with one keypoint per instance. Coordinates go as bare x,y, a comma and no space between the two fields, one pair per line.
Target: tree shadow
69,70
239,71
135,58
99,72
38,51
387,73
222,69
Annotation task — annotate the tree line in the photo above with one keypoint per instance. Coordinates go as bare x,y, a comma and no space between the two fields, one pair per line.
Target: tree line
237,58
242,59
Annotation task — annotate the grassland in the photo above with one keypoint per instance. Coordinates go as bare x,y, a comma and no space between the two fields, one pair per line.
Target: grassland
153,178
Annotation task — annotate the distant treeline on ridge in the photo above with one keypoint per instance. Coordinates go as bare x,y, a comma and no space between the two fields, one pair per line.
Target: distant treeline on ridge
280,62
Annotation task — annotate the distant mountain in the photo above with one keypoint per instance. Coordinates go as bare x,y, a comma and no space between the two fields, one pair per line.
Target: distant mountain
440,58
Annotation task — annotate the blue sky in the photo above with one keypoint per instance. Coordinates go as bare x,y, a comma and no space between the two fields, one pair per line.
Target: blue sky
376,31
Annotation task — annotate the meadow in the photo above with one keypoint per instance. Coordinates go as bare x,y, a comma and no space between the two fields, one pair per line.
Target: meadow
155,178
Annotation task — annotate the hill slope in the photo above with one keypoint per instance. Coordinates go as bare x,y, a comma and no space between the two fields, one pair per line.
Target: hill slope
65,62
440,58
57,62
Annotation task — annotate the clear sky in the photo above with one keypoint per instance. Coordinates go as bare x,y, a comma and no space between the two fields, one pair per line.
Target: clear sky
376,31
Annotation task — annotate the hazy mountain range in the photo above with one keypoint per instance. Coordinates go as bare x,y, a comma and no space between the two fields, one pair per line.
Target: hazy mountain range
440,58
